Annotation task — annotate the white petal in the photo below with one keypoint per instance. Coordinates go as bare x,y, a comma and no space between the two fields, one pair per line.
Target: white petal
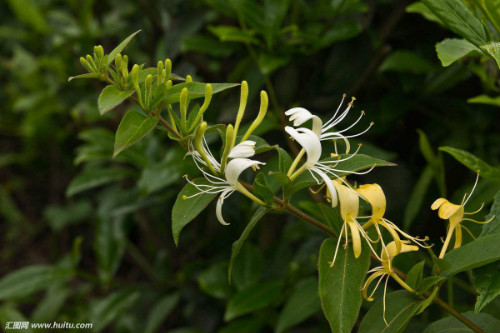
329,185
244,149
309,141
235,167
220,202
300,115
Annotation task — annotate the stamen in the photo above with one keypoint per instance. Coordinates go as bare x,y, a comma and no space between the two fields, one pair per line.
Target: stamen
475,221
477,211
473,188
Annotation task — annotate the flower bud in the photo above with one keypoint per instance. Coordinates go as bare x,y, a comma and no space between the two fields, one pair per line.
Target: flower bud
118,62
99,51
91,62
86,65
189,79
168,68
264,103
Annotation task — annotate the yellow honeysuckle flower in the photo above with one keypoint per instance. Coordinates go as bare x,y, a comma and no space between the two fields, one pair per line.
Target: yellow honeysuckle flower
386,270
375,196
455,214
349,208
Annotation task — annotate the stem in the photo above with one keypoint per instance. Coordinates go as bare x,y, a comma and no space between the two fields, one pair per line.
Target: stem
457,315
295,162
298,172
446,242
402,283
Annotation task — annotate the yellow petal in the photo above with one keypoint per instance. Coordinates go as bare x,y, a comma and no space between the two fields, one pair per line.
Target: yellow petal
374,194
448,209
356,239
458,237
367,283
349,201
436,204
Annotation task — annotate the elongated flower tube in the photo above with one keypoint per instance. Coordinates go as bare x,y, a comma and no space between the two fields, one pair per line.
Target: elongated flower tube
386,270
228,183
374,195
299,116
349,208
324,169
455,214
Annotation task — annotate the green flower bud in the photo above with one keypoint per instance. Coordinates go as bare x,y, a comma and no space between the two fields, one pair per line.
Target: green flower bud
241,110
148,93
189,79
99,51
86,65
168,68
198,144
183,103
169,84
230,133
118,62
206,103
91,62
159,71
135,74
264,103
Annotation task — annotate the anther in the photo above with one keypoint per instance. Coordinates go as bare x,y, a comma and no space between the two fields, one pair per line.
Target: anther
362,112
372,123
184,197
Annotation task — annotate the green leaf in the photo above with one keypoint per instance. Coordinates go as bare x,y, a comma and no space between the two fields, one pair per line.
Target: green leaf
207,45
236,247
85,76
459,19
401,306
324,213
301,305
104,311
48,308
428,301
261,188
357,163
450,324
487,284
479,252
406,62
255,297
195,90
269,63
430,281
339,32
29,12
484,99
213,281
474,163
417,196
493,226
9,314
112,55
184,211
111,96
419,8
227,33
160,312
133,127
493,50
453,49
30,279
248,267
91,178
340,285
414,276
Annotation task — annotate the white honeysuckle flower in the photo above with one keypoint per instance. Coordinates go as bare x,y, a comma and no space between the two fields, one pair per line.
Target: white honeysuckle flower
228,183
324,169
243,149
299,116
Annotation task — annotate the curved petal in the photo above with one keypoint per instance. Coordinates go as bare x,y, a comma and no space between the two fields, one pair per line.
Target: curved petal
309,141
356,238
243,149
374,194
220,202
448,209
235,167
436,204
300,115
329,185
349,201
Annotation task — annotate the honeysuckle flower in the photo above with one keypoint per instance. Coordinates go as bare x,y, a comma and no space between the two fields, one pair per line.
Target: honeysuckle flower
455,214
375,196
228,183
299,116
325,169
386,270
349,208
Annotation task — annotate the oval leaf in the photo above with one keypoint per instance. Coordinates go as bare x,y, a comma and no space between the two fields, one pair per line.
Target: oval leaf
133,127
452,325
340,285
185,211
474,163
110,97
479,252
400,307
112,55
255,297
